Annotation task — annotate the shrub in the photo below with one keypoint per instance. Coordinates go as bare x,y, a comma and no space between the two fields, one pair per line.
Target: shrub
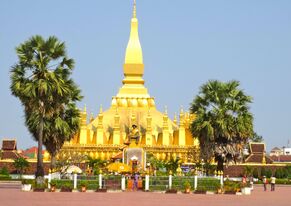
83,183
287,172
248,171
53,183
5,177
60,183
255,173
201,188
268,173
283,181
178,182
263,172
279,173
39,186
211,184
4,174
231,186
66,186
187,184
20,164
4,171
93,184
25,181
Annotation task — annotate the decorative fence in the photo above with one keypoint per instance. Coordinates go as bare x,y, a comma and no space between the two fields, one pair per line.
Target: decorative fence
162,183
208,183
151,183
112,182
158,183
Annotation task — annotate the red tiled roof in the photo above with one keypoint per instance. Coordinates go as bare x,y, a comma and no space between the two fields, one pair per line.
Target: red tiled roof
257,147
9,145
258,158
30,152
10,155
281,158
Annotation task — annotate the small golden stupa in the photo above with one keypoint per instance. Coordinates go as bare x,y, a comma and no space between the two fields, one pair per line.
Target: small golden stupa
104,136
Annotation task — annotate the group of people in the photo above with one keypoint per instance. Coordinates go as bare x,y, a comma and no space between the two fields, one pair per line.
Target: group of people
265,183
264,180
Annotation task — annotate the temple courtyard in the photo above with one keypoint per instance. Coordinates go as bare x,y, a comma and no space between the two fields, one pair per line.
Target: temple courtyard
11,197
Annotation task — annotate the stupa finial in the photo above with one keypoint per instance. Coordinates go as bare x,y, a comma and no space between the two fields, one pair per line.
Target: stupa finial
181,109
134,9
166,110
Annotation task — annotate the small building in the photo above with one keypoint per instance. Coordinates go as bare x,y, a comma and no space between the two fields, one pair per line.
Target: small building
9,150
258,154
281,155
286,150
276,151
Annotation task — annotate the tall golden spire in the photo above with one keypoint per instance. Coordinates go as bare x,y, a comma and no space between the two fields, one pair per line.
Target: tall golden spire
133,64
133,88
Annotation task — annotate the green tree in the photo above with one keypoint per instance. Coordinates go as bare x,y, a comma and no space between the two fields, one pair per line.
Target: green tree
248,171
256,138
96,164
263,171
154,162
20,165
255,172
172,165
60,128
63,129
4,171
40,79
223,121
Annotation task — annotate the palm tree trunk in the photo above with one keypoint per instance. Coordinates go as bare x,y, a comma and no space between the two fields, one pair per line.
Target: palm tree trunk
53,161
39,168
220,164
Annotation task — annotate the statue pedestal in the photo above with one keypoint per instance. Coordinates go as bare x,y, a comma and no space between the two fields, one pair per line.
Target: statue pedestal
135,157
132,144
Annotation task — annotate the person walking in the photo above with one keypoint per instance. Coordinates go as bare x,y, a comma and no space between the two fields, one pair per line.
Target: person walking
265,182
244,181
252,182
273,182
135,182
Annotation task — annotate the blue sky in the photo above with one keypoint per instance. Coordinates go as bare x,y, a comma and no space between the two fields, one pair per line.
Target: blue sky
185,43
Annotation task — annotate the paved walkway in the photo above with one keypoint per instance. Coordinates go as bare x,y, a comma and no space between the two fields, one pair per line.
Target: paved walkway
12,197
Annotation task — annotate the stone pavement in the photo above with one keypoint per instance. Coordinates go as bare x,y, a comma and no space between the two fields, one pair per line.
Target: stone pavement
13,197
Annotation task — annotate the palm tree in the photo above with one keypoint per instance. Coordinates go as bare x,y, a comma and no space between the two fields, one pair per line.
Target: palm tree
95,164
63,129
223,121
172,164
40,79
154,162
58,129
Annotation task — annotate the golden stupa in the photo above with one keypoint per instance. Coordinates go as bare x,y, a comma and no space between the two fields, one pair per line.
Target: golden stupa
104,136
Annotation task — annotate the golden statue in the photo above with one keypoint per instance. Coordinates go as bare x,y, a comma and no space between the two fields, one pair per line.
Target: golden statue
133,135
